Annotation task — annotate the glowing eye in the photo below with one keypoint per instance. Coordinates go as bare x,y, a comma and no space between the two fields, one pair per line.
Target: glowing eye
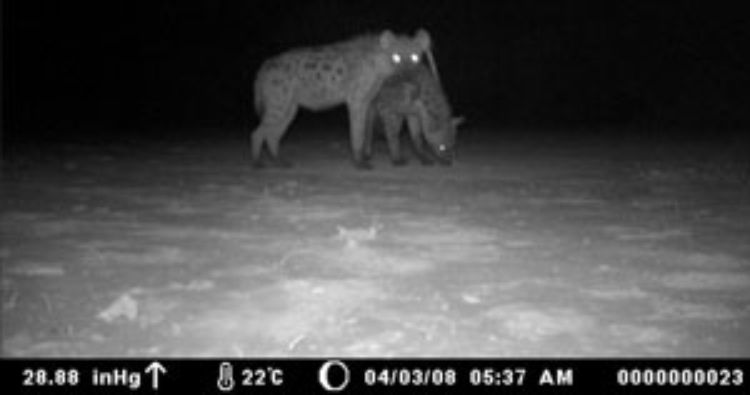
442,147
396,58
414,58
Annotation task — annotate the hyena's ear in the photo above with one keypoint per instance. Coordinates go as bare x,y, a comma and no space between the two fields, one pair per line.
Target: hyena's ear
423,38
387,39
457,121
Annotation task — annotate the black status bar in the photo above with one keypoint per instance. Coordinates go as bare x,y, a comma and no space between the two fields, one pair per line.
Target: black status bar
333,375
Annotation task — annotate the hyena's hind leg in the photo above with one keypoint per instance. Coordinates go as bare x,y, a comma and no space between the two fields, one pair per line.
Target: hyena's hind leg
415,132
273,126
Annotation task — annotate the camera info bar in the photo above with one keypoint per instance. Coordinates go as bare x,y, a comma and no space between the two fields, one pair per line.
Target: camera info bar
321,375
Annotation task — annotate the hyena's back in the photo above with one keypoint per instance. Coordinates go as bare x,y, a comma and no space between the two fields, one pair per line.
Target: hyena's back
313,78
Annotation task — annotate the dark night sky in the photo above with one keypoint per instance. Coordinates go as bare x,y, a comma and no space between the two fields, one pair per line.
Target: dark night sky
71,65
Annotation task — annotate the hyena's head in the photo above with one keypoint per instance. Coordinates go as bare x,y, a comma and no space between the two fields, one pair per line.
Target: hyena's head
442,139
396,51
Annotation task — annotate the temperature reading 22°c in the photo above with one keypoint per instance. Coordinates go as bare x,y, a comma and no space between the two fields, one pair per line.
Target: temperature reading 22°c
262,377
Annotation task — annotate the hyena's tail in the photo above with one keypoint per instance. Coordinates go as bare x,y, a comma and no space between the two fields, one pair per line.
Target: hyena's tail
258,95
246,118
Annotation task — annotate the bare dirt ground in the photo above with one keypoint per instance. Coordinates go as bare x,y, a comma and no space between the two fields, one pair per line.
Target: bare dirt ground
525,247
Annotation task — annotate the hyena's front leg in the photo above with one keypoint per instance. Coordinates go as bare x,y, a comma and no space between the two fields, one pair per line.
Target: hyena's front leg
392,125
357,115
415,132
369,132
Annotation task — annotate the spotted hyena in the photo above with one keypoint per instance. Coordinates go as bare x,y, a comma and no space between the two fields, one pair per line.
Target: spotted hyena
317,78
414,94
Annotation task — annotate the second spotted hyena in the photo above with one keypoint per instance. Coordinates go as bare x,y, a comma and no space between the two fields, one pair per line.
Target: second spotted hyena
317,78
414,94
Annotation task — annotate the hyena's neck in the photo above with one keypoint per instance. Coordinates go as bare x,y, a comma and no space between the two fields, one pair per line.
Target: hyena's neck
437,110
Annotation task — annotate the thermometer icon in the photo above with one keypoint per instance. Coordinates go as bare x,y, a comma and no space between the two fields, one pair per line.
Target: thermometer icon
226,377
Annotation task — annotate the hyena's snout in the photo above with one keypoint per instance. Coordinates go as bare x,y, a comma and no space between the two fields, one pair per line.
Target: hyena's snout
444,153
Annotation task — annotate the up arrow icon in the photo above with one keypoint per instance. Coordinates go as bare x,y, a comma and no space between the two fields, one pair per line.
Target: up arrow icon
155,369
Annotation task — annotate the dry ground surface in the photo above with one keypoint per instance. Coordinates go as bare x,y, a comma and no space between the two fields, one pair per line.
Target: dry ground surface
525,247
